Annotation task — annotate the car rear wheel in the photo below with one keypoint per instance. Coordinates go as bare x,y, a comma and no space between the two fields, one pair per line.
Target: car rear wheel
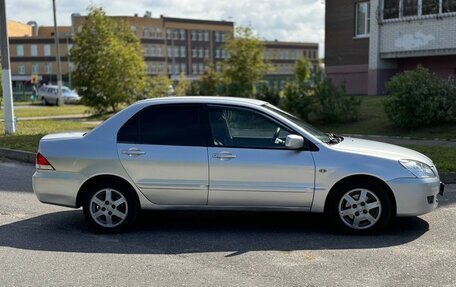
43,101
110,209
360,208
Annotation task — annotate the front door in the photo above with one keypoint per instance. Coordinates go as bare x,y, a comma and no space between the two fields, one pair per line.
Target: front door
249,164
163,149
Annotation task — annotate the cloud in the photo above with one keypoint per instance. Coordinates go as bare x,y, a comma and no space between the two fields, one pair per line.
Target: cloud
285,20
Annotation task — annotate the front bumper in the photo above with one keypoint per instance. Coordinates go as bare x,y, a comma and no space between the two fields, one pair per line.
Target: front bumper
56,187
416,196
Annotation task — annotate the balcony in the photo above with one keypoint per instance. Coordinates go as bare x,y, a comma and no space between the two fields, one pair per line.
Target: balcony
417,28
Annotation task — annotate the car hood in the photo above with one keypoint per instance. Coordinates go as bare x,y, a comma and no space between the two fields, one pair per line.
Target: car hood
379,149
60,136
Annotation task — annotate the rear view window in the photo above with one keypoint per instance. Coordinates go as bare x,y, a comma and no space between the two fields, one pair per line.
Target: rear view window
178,125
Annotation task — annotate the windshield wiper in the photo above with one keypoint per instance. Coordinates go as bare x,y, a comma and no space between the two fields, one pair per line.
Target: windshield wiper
334,139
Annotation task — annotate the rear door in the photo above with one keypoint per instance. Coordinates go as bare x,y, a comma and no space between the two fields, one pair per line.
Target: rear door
249,164
163,149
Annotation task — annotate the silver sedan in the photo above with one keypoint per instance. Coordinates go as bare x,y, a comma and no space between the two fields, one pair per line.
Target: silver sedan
220,153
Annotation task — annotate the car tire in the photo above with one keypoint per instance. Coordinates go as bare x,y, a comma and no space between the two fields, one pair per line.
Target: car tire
43,101
360,208
110,208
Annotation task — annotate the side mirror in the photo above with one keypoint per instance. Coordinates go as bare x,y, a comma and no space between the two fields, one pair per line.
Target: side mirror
294,142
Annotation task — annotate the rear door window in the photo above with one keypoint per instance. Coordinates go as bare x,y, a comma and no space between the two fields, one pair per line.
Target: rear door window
177,125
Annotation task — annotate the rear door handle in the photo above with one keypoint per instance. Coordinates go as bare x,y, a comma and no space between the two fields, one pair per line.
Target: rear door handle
133,152
224,155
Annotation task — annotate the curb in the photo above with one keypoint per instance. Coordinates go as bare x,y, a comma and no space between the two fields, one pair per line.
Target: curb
19,155
29,157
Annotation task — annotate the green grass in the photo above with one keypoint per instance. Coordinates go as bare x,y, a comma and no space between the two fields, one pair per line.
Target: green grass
29,133
443,157
373,121
42,111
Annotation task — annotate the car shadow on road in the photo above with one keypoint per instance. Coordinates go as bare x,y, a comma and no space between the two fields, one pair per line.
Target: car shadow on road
198,232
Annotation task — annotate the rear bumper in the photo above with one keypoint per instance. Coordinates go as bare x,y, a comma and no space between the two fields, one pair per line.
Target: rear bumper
55,187
415,196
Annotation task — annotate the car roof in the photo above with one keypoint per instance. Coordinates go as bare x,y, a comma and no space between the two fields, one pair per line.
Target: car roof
205,99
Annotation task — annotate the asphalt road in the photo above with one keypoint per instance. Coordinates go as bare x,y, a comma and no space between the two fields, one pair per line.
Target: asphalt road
51,246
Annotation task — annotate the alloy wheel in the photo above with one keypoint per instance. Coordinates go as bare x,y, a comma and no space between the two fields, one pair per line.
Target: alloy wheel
108,208
360,208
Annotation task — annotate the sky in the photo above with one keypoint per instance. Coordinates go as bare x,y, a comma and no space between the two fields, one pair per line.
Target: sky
284,20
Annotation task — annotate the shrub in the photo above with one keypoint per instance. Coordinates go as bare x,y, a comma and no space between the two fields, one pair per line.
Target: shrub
319,97
296,100
265,93
418,98
332,103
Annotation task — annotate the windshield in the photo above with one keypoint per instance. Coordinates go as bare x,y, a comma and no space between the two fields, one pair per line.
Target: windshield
309,128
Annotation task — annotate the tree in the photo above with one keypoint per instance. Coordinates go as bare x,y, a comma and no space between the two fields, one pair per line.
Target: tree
157,86
182,85
303,70
110,69
210,81
245,65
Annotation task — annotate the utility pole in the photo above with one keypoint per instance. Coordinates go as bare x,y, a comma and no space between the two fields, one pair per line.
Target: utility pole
59,67
10,125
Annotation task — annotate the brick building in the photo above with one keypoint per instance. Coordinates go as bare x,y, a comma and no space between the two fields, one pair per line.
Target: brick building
369,41
170,45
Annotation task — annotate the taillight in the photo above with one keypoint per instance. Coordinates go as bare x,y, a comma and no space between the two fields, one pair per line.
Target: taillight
42,162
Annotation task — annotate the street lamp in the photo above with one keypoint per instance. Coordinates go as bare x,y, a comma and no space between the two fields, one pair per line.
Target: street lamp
59,67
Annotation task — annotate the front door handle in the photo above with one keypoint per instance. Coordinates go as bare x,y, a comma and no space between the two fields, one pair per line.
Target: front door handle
133,152
224,155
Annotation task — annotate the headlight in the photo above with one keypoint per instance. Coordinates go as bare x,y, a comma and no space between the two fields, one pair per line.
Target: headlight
418,169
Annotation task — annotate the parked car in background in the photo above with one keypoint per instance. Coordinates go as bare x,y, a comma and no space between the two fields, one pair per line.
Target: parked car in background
229,154
48,95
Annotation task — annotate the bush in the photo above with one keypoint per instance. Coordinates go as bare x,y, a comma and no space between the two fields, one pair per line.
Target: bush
319,98
332,103
418,98
265,93
296,100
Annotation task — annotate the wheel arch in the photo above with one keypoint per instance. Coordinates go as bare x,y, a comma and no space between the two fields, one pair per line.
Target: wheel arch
361,178
104,178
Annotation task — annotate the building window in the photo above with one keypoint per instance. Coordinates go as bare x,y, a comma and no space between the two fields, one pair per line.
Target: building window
182,34
20,50
183,68
183,52
133,29
194,69
393,9
448,6
48,68
35,69
362,19
21,69
146,32
430,7
69,47
33,50
409,8
47,50
390,9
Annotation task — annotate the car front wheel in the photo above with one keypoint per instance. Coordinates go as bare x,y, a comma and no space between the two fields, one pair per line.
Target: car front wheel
360,208
110,209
